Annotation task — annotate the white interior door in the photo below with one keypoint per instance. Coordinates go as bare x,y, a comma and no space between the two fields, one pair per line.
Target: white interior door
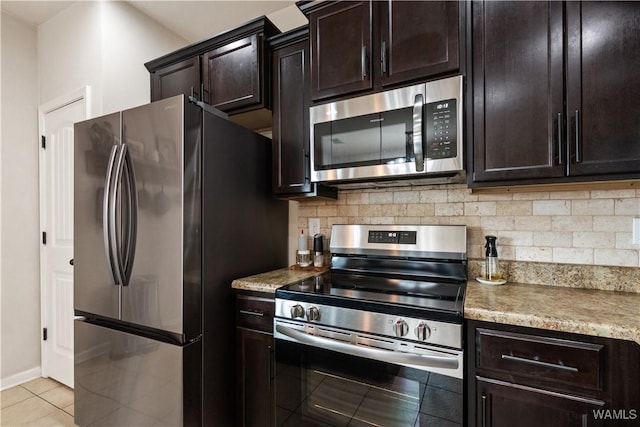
56,219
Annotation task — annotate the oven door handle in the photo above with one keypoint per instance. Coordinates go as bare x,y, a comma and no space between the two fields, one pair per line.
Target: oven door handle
442,362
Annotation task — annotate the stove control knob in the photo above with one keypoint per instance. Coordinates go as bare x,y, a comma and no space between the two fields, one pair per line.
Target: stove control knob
400,328
313,314
422,331
297,311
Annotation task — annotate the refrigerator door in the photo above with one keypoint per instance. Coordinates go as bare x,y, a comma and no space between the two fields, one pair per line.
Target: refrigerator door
96,142
126,380
155,137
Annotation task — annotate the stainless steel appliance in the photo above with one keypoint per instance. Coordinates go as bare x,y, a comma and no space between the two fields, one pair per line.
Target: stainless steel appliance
414,131
378,340
171,204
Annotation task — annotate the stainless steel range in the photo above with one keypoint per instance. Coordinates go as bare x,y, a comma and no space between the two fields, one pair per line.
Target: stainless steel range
379,338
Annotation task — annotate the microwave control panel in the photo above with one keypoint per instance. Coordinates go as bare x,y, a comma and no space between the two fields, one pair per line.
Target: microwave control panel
441,128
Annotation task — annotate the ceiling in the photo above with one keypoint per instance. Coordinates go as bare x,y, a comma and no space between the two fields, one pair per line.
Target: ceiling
192,20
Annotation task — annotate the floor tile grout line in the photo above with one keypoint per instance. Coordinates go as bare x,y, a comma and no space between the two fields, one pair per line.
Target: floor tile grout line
39,396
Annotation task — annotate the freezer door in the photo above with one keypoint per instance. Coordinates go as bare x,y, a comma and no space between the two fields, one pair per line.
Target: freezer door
168,193
95,290
125,380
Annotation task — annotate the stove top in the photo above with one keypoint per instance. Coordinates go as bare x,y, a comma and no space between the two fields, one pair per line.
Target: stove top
429,299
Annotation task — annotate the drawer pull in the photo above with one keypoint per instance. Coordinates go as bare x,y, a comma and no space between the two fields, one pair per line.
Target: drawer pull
539,363
252,313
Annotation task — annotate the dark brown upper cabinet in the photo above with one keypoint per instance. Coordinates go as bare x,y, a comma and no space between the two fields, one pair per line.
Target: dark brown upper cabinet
290,88
603,89
233,74
230,71
517,90
368,45
554,93
175,79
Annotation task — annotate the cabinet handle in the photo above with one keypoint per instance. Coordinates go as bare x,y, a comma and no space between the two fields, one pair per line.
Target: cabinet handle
383,55
559,130
484,410
578,156
363,61
539,363
202,92
252,313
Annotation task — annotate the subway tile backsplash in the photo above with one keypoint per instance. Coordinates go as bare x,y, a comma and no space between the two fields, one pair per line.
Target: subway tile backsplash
565,227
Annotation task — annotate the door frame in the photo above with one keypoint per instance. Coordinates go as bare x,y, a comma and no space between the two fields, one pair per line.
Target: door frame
81,94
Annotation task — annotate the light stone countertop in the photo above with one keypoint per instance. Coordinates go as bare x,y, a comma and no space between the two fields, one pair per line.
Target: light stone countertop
272,280
596,312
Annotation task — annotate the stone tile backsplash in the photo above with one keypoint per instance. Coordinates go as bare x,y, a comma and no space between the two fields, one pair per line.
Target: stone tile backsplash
568,227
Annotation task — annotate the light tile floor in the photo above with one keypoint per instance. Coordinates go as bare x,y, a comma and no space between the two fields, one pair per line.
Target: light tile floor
40,402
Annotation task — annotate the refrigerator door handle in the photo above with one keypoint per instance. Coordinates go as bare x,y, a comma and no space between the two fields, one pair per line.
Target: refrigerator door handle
115,237
129,249
108,206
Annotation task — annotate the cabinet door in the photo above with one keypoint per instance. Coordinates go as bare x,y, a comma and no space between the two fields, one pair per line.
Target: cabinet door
291,120
418,39
603,89
176,79
501,404
232,74
255,378
341,43
518,90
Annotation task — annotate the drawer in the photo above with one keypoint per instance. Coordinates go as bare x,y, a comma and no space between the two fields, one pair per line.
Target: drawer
555,361
255,312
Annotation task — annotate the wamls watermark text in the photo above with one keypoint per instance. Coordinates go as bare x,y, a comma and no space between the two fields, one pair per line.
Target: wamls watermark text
615,414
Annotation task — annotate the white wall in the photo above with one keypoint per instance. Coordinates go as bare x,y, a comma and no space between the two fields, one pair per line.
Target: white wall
69,53
19,223
78,47
130,39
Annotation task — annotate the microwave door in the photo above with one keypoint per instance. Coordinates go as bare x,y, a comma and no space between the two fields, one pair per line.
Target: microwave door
397,138
348,143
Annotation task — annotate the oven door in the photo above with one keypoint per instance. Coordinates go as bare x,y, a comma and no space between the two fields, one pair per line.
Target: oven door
319,387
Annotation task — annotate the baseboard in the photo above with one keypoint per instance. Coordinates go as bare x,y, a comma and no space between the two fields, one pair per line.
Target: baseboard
20,378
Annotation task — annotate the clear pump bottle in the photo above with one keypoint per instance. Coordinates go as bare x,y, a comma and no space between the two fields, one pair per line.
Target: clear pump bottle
492,267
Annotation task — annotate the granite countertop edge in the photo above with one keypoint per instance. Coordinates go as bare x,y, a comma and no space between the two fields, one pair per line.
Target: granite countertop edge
610,314
270,281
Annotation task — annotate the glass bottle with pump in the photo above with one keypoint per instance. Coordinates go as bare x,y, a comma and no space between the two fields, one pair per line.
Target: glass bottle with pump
492,267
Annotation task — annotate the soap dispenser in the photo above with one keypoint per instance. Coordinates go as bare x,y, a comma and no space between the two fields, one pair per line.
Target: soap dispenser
303,255
492,268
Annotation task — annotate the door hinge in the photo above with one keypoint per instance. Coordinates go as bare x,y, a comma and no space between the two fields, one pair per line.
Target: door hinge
44,237
44,334
44,141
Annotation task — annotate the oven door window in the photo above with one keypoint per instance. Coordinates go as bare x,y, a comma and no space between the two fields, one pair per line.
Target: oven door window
317,387
373,139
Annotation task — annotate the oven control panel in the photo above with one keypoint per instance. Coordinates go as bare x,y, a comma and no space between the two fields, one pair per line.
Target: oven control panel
397,237
393,326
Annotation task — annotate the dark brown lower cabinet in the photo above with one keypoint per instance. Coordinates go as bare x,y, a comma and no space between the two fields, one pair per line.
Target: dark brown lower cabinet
501,403
254,360
526,377
255,378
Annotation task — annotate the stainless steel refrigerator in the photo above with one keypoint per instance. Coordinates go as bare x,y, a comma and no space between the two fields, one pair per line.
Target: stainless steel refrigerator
171,203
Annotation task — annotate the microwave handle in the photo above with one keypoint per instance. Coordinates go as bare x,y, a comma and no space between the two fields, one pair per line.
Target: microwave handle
417,132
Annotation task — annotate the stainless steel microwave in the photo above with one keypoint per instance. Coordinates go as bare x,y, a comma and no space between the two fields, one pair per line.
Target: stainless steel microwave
412,131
